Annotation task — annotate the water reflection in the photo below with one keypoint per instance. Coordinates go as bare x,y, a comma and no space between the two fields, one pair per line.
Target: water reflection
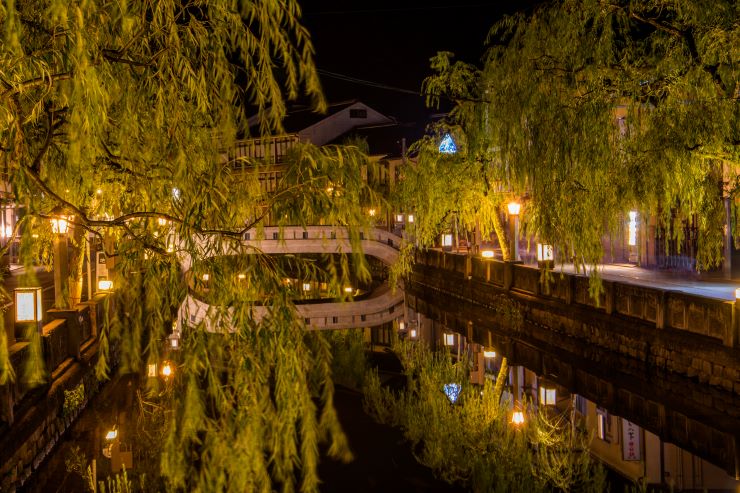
666,429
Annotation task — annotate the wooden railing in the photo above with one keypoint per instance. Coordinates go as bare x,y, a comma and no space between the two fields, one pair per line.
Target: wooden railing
265,150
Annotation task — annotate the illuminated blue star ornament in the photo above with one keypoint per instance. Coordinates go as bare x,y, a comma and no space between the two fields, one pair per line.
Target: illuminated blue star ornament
447,146
452,391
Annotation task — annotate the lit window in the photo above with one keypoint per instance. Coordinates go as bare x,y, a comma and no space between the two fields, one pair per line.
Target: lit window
603,424
632,229
548,396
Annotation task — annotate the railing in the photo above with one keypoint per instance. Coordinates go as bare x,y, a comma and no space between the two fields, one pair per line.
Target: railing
266,150
371,312
310,239
664,309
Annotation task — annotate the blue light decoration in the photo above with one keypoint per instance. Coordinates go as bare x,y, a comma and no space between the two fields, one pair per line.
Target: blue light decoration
452,391
447,146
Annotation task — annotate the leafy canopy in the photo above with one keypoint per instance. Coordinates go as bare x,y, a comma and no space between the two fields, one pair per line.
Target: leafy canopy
589,109
121,114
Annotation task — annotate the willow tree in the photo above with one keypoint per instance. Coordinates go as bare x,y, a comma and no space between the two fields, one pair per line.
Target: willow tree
120,115
589,109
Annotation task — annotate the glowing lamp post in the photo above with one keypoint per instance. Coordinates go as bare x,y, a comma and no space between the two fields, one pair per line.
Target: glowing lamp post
59,228
545,254
514,208
487,253
489,354
105,285
28,306
517,418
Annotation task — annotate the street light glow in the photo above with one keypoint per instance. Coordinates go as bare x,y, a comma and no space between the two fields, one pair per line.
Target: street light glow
514,207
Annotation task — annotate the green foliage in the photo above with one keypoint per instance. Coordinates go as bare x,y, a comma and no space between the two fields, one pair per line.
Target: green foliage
473,441
643,116
120,114
73,400
348,363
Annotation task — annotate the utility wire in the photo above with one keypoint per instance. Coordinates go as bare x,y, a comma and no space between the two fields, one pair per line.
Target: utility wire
379,85
396,9
369,83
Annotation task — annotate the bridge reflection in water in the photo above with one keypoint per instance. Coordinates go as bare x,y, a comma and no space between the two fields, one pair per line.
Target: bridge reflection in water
647,422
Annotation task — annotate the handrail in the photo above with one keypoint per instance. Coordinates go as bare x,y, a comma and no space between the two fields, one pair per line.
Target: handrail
320,316
298,239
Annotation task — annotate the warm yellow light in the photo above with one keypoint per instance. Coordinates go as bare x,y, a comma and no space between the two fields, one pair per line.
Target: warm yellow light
544,252
487,253
167,370
401,325
105,285
399,218
329,189
112,434
514,208
174,342
737,294
59,225
241,277
447,240
411,218
371,212
99,191
449,339
28,305
489,354
151,370
517,418
412,333
162,221
348,289
206,277
306,286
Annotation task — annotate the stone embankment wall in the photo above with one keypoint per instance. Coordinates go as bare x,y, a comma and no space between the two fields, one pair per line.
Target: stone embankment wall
32,420
668,360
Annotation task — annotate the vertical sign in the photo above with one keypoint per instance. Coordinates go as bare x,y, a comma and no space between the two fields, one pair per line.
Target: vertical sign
631,441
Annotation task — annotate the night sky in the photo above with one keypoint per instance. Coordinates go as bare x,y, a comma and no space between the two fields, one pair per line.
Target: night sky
390,43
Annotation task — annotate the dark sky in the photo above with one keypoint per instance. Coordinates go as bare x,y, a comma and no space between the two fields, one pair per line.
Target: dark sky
390,42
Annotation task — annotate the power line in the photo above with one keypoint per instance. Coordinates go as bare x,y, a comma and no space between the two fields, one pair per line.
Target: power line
369,83
396,9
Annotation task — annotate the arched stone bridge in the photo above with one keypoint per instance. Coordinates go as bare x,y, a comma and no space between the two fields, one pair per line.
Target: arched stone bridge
383,305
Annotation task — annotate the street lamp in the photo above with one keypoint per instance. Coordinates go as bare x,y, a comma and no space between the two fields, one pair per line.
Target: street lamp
29,306
489,353
487,253
517,418
514,207
105,285
60,227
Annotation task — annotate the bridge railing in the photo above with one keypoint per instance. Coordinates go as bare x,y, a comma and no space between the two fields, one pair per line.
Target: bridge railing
665,309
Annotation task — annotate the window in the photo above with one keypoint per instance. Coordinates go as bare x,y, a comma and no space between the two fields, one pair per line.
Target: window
305,235
548,396
307,321
334,320
581,404
603,425
362,317
274,236
358,113
247,236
